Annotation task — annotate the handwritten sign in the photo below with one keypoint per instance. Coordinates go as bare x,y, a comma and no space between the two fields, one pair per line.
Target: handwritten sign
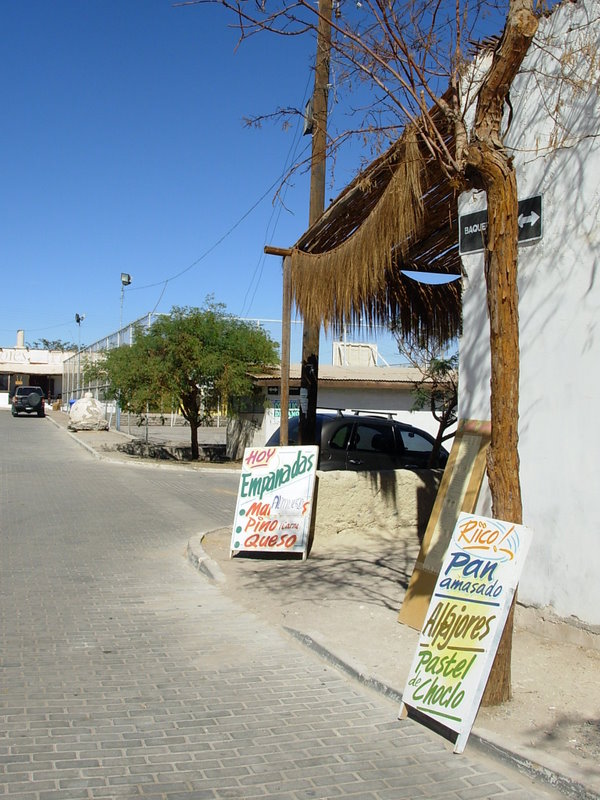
275,496
465,620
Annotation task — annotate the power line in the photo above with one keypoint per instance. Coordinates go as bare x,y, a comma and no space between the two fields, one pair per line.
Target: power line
40,330
258,269
219,241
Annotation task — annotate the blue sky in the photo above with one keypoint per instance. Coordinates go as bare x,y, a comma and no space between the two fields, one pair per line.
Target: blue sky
124,150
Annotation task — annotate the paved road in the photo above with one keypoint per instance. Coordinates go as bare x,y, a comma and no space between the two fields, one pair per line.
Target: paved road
125,673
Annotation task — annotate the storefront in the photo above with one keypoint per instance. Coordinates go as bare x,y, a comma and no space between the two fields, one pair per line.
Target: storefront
22,366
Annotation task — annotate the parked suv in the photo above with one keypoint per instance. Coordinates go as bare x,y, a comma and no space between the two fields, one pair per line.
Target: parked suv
367,442
29,399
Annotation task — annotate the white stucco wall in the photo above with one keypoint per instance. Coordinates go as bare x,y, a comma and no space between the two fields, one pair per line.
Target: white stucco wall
396,402
558,157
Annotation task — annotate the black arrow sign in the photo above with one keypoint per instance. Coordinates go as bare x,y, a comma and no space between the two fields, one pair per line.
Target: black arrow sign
473,227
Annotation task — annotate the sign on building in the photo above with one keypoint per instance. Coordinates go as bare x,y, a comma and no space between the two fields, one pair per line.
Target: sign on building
275,499
293,408
472,228
464,622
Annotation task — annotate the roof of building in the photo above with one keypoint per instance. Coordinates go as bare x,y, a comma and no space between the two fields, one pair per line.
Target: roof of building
348,377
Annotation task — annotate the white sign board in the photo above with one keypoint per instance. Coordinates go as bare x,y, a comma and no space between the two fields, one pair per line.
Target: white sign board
275,496
464,622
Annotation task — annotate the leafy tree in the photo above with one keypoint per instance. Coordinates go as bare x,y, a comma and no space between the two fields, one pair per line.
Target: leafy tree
195,357
53,344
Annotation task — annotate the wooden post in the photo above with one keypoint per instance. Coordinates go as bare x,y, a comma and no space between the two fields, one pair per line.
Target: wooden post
285,351
309,379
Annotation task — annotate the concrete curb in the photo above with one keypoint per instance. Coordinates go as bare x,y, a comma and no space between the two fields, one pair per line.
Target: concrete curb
551,775
198,558
87,447
146,464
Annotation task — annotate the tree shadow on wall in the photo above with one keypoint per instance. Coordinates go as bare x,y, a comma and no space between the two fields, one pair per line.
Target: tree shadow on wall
385,485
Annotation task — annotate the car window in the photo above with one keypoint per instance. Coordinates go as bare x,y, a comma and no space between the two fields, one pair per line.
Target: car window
416,443
374,438
294,432
25,390
293,428
339,440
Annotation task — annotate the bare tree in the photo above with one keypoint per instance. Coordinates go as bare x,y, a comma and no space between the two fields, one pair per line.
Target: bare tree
437,389
414,60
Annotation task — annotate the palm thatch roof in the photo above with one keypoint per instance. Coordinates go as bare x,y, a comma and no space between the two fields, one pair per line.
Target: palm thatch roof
398,214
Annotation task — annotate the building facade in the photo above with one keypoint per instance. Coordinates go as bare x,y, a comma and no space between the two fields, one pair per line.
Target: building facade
553,137
23,366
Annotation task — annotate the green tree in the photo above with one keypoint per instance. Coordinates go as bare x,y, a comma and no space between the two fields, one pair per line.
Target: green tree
194,357
52,344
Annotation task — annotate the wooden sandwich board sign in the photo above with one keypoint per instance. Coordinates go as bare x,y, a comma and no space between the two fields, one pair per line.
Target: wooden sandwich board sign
275,499
464,622
459,491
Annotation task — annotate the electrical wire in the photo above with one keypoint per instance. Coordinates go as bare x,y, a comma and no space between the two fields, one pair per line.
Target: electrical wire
269,232
207,252
40,330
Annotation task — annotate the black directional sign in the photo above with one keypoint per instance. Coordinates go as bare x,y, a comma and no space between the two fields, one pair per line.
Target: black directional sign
471,232
473,227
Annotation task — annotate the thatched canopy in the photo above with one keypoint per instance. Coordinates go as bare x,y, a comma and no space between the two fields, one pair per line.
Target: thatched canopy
398,214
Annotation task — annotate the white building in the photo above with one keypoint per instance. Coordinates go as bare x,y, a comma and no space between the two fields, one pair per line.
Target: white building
554,137
23,366
380,390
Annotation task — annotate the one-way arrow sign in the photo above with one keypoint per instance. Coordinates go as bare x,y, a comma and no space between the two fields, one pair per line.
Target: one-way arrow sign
472,227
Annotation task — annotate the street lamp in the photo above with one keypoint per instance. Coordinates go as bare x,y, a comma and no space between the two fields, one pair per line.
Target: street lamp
125,281
79,319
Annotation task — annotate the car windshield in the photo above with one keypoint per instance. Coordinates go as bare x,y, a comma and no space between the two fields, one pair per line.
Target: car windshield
23,390
293,426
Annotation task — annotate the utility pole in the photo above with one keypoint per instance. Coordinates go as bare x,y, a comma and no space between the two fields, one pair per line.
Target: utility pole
309,379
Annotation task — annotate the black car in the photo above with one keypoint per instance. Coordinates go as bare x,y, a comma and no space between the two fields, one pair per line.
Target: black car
29,399
367,442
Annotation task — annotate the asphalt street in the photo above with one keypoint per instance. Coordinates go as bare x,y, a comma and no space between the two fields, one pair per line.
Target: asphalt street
126,673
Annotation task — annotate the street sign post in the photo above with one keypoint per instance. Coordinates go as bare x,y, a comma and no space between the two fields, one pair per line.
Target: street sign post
473,227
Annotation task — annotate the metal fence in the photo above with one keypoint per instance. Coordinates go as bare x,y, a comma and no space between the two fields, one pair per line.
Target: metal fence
74,385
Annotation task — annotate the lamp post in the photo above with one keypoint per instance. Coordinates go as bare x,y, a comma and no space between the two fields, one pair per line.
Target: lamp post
125,281
79,319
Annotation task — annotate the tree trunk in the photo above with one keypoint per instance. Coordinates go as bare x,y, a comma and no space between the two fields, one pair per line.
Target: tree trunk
493,171
498,178
443,425
194,434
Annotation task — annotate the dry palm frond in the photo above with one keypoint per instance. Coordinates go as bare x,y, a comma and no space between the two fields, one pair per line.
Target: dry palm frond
337,286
